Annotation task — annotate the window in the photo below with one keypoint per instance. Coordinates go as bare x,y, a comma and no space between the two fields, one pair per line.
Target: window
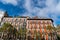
8,19
33,26
16,20
37,26
28,26
24,24
36,22
42,25
12,20
46,25
24,19
45,21
42,30
20,19
39,32
29,32
50,22
41,21
10,23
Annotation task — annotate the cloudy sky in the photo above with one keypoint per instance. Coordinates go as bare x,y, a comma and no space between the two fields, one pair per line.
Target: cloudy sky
41,8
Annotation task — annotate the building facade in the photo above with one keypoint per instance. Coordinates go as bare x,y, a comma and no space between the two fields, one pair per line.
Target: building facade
15,21
37,26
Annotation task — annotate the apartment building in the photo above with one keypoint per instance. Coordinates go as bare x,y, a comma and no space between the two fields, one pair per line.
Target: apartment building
38,25
33,25
15,21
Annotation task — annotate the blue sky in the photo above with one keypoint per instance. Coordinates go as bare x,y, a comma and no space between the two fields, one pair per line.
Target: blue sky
41,8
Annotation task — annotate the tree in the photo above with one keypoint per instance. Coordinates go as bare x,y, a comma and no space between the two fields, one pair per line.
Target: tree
36,35
58,27
22,33
5,26
8,29
54,28
12,33
50,28
58,30
1,30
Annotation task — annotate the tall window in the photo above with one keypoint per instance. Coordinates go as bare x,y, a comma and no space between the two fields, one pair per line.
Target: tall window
31,26
24,24
42,26
43,30
35,26
41,21
24,19
45,21
39,27
20,19
50,22
16,20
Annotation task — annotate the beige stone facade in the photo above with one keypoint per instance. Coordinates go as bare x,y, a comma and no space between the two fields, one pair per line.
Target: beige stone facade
15,21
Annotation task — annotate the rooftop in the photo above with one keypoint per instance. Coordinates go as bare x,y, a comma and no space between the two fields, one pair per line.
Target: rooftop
39,18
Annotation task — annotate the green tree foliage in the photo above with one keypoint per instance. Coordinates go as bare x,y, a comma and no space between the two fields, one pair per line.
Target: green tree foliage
5,26
58,37
58,30
36,35
9,30
12,31
22,33
58,27
49,27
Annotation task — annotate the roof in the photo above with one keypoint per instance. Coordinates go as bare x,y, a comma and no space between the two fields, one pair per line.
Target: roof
16,17
40,19
36,18
33,18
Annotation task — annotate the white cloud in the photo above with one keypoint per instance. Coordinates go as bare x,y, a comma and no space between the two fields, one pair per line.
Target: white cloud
2,13
53,8
14,2
58,7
